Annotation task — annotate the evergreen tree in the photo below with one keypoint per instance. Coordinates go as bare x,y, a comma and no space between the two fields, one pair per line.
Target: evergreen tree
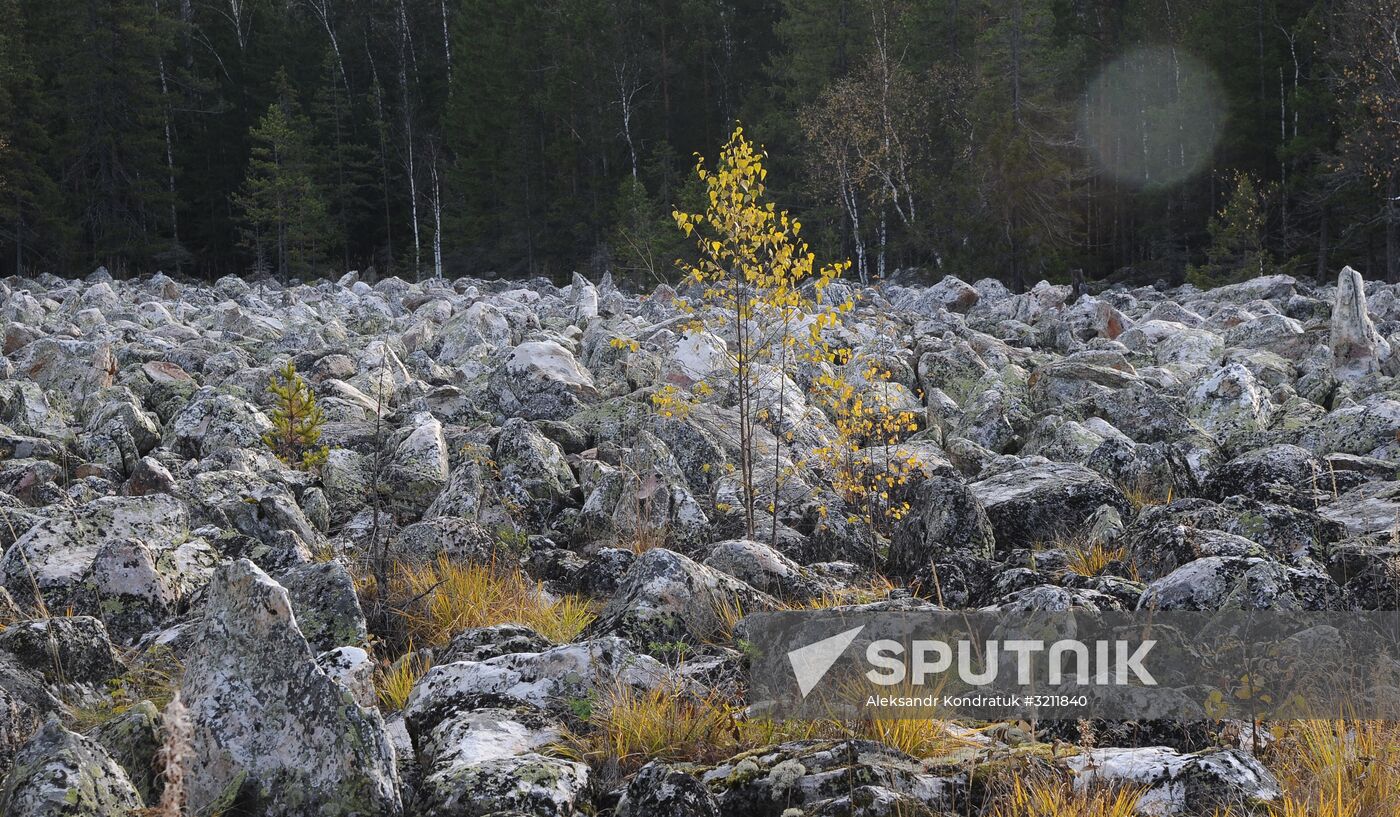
1237,249
31,224
102,59
287,226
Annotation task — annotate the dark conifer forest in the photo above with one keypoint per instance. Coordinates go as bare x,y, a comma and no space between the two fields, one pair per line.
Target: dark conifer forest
1022,139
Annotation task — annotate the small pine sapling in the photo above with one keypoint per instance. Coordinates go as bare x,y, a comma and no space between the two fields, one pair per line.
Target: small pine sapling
296,421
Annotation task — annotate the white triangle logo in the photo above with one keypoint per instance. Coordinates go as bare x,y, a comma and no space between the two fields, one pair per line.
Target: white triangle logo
810,663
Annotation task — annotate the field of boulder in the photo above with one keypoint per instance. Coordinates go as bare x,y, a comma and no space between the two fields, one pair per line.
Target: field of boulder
495,595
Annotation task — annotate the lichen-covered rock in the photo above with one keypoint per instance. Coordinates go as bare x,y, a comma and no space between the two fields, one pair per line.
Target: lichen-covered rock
1274,471
667,597
212,421
445,536
326,606
1040,502
534,474
1175,783
58,554
1231,400
763,568
25,703
945,517
659,790
418,470
1358,350
1370,508
542,380
133,739
529,785
67,649
62,774
261,709
550,678
853,778
482,643
1240,583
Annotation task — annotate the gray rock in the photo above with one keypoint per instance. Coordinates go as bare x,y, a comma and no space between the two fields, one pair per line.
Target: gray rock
1358,350
759,566
550,678
853,778
1043,501
1181,784
659,790
534,474
945,517
59,556
325,604
667,597
542,380
1231,400
133,739
62,774
1243,583
482,643
25,702
1272,472
68,649
1370,508
418,470
263,711
213,421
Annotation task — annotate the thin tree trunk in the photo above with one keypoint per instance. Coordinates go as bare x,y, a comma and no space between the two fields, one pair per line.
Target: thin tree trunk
1322,246
169,156
437,216
1392,229
446,46
408,140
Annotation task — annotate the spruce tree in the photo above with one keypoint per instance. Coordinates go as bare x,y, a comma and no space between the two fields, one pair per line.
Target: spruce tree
286,222
32,224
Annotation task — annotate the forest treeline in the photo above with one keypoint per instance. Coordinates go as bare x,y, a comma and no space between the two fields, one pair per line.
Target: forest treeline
1016,138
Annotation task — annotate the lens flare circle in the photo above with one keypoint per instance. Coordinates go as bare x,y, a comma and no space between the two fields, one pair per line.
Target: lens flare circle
1153,117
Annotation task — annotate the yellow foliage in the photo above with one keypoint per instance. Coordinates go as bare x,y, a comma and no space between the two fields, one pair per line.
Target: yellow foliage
867,464
296,420
435,601
752,266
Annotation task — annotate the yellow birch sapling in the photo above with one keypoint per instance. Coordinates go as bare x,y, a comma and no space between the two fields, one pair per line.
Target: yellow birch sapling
751,269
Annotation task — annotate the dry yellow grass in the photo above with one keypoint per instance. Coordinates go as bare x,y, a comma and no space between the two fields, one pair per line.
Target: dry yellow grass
876,588
394,682
1045,796
1141,495
1338,768
437,600
1094,559
626,728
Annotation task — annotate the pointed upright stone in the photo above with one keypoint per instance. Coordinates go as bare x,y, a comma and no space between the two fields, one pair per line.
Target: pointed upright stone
1358,350
269,722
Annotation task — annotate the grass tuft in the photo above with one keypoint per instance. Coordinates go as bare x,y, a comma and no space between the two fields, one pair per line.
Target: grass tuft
1094,559
395,682
626,728
1047,796
430,603
1338,768
154,676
